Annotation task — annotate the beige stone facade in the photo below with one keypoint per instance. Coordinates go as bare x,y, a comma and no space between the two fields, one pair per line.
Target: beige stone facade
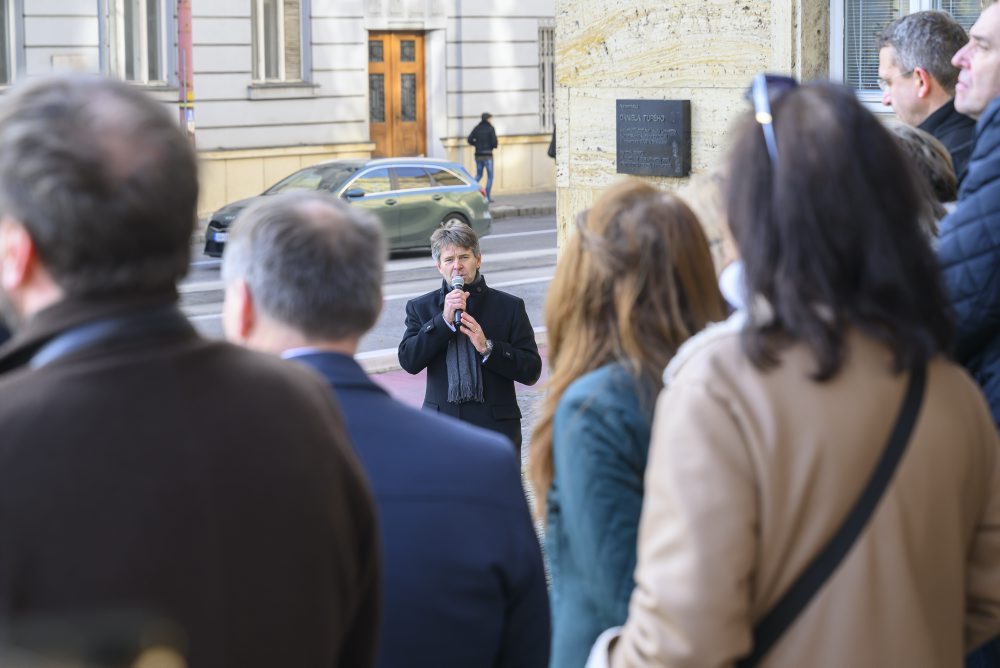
705,52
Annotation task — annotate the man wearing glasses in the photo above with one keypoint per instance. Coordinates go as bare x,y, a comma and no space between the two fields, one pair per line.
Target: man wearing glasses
918,79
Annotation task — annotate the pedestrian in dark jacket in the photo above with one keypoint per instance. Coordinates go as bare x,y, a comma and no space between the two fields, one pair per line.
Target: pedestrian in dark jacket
484,138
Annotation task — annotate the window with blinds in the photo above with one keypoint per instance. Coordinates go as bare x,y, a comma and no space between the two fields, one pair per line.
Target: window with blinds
864,21
965,11
546,78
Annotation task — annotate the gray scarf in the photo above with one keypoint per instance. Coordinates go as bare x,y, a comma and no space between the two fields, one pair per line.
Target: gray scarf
465,374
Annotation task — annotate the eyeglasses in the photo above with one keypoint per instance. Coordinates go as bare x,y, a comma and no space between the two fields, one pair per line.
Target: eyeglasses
763,89
886,84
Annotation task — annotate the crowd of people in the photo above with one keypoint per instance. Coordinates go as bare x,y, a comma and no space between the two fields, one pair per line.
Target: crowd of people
769,434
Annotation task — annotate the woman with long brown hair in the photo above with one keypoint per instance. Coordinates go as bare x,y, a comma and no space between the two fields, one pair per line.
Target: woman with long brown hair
634,282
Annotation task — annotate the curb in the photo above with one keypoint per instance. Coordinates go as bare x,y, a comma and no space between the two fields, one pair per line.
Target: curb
507,211
387,359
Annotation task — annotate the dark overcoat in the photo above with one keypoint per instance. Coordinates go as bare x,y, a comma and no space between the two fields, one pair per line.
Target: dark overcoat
464,583
207,484
969,252
515,355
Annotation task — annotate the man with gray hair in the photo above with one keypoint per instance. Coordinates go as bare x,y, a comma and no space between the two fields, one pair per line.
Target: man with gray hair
463,574
474,341
148,471
918,79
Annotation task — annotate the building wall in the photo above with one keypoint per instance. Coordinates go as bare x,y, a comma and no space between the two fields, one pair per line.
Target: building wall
59,35
480,56
706,52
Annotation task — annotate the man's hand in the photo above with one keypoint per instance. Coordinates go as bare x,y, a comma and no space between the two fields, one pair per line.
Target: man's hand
475,333
453,301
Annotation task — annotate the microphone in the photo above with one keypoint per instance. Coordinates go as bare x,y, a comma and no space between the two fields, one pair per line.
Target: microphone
457,283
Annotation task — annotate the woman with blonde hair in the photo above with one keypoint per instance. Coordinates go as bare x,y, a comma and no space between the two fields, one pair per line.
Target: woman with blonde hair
634,282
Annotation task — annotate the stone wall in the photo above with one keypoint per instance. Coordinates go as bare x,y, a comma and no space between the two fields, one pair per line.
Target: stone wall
705,51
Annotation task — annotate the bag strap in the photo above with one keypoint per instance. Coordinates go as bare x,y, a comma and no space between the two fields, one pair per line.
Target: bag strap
773,625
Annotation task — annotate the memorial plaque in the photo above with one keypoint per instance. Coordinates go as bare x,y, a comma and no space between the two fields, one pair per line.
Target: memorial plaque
653,137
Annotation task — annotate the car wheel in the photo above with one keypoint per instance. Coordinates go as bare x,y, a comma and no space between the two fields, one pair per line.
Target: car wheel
454,218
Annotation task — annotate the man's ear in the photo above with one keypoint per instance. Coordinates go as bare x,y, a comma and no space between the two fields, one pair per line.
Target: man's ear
247,313
239,317
925,82
18,254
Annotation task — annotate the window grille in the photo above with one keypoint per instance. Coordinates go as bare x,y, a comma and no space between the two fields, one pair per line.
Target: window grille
546,78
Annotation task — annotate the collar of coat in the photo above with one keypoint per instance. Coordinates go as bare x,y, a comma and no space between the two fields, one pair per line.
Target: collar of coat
73,312
475,288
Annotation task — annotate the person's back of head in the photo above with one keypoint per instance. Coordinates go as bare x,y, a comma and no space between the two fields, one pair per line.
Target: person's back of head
103,181
635,281
828,233
311,262
928,40
933,163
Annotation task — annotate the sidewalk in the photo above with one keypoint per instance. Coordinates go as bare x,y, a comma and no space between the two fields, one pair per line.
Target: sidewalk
510,205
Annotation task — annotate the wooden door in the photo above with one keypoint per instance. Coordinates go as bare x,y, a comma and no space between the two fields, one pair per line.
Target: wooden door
396,94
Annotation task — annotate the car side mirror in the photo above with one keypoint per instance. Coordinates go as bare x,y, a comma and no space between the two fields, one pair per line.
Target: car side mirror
354,193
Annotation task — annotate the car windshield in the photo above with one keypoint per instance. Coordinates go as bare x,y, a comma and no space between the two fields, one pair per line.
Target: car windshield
320,177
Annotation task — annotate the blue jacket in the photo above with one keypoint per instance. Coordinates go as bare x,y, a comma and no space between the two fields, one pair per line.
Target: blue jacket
969,252
600,440
463,580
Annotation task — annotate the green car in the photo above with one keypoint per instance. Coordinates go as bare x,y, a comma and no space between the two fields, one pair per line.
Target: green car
411,196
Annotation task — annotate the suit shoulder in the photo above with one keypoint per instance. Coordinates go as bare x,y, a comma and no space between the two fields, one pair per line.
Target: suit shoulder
506,298
427,298
250,370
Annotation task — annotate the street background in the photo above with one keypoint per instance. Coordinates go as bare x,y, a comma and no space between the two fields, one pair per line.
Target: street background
519,257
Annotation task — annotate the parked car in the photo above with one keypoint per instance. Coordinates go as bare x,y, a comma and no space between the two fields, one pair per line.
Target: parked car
411,196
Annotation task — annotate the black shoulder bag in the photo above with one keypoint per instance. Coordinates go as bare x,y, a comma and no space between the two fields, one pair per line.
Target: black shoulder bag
773,625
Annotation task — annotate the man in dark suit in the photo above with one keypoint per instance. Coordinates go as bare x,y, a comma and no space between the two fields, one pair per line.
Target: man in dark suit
464,582
146,471
472,363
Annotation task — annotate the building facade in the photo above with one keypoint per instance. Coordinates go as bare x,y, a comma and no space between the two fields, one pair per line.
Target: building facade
281,84
705,52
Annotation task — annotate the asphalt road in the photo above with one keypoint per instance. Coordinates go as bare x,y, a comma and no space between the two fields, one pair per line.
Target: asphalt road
518,257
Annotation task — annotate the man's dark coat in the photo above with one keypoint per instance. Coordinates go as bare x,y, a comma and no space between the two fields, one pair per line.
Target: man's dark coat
484,138
463,578
956,131
515,355
969,252
192,479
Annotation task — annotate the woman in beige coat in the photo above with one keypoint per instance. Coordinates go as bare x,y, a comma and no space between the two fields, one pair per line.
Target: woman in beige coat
771,424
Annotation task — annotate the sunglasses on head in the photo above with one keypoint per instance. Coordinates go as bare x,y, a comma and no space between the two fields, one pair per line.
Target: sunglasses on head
763,89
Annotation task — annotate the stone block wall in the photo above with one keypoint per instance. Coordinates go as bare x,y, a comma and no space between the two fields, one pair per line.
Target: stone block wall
706,52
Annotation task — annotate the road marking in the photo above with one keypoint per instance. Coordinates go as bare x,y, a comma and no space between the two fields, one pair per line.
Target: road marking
503,284
515,234
427,262
411,295
393,266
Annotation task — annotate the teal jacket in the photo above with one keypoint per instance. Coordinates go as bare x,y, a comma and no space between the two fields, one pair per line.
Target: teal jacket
600,440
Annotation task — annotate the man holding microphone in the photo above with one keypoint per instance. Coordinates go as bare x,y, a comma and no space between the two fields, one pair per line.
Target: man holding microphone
474,341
